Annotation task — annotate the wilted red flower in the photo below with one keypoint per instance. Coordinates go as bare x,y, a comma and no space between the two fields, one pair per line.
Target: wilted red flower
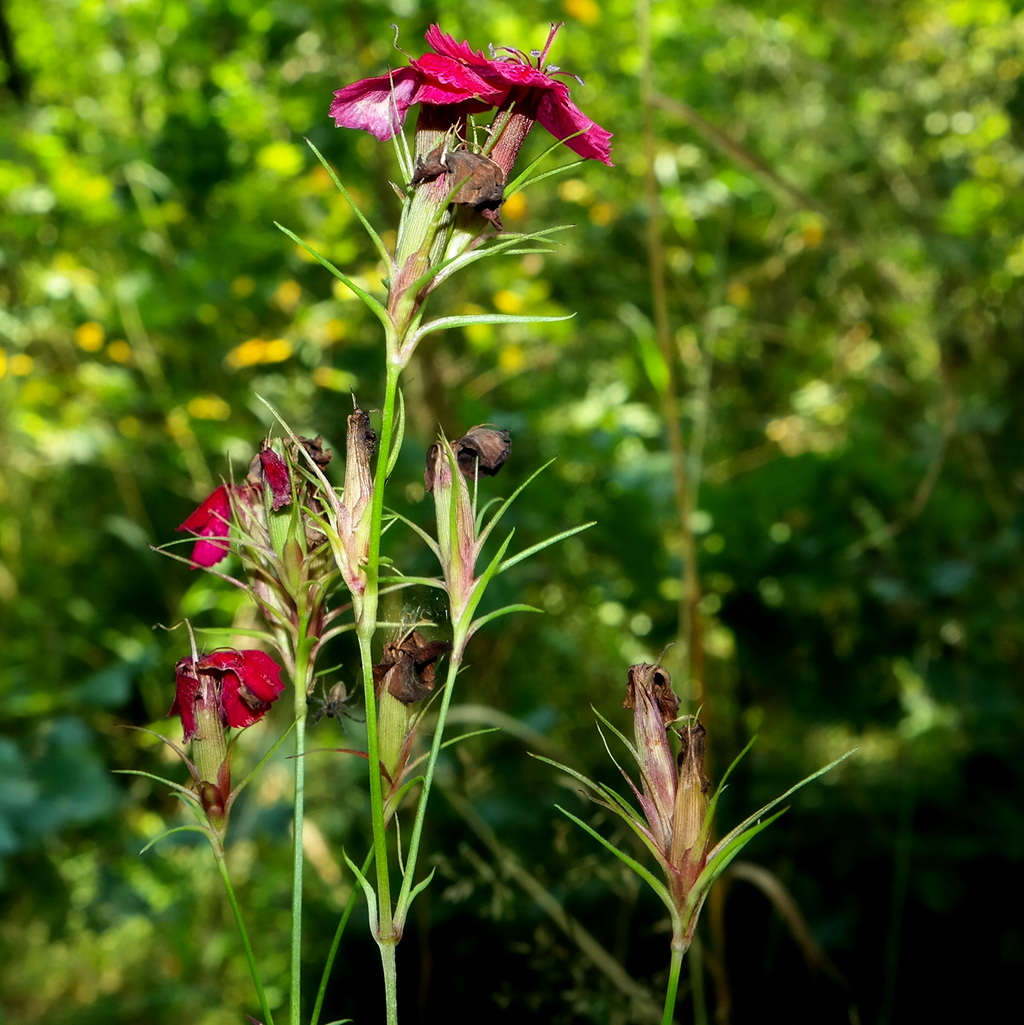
211,523
240,685
275,474
461,77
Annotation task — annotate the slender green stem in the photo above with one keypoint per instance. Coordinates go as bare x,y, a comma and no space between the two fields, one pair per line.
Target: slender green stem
346,914
676,964
222,867
365,628
301,682
402,905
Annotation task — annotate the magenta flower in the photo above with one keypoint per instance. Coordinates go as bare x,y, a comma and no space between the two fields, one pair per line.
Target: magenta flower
463,78
239,685
211,523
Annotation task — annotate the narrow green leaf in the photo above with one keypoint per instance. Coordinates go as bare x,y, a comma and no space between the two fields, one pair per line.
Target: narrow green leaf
382,249
184,791
402,910
466,736
430,542
746,823
368,891
483,620
486,577
648,877
523,179
504,247
177,829
485,533
541,545
369,301
399,435
445,323
718,863
409,581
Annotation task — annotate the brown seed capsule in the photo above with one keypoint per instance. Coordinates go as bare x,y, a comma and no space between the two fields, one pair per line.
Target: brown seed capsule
656,681
481,450
408,666
480,181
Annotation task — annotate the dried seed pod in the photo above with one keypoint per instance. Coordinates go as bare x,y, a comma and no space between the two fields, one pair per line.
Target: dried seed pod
480,181
408,666
656,681
481,450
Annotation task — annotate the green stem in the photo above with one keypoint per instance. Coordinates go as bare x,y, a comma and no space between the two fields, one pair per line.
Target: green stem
301,682
222,867
350,905
402,905
680,946
366,626
676,964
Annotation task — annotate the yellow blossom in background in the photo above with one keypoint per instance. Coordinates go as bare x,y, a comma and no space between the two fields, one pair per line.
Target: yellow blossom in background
333,379
243,286
575,190
129,426
259,350
287,295
208,407
512,358
119,351
506,301
586,11
514,208
738,293
20,365
89,337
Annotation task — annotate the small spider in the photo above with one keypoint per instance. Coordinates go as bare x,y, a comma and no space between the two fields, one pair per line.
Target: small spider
335,705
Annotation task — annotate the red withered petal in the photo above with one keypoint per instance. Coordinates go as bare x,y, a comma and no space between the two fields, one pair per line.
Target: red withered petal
275,473
211,523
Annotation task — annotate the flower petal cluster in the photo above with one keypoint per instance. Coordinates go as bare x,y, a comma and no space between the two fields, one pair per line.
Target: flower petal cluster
211,523
673,791
456,75
240,685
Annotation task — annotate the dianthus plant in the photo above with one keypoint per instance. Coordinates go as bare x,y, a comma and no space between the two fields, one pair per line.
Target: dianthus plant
309,554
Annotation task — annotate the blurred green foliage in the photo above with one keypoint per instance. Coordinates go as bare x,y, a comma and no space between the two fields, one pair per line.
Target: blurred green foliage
841,229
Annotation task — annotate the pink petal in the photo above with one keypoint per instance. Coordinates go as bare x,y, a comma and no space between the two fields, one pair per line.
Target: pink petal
186,685
450,81
211,520
376,105
446,45
562,118
250,685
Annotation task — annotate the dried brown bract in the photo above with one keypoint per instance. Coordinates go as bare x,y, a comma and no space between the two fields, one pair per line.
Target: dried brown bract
480,181
657,682
408,666
482,450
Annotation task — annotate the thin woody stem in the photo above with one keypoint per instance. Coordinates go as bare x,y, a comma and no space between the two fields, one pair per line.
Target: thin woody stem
302,681
366,627
250,957
402,905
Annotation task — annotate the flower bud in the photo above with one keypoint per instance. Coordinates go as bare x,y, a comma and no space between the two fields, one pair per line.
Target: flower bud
649,693
691,792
